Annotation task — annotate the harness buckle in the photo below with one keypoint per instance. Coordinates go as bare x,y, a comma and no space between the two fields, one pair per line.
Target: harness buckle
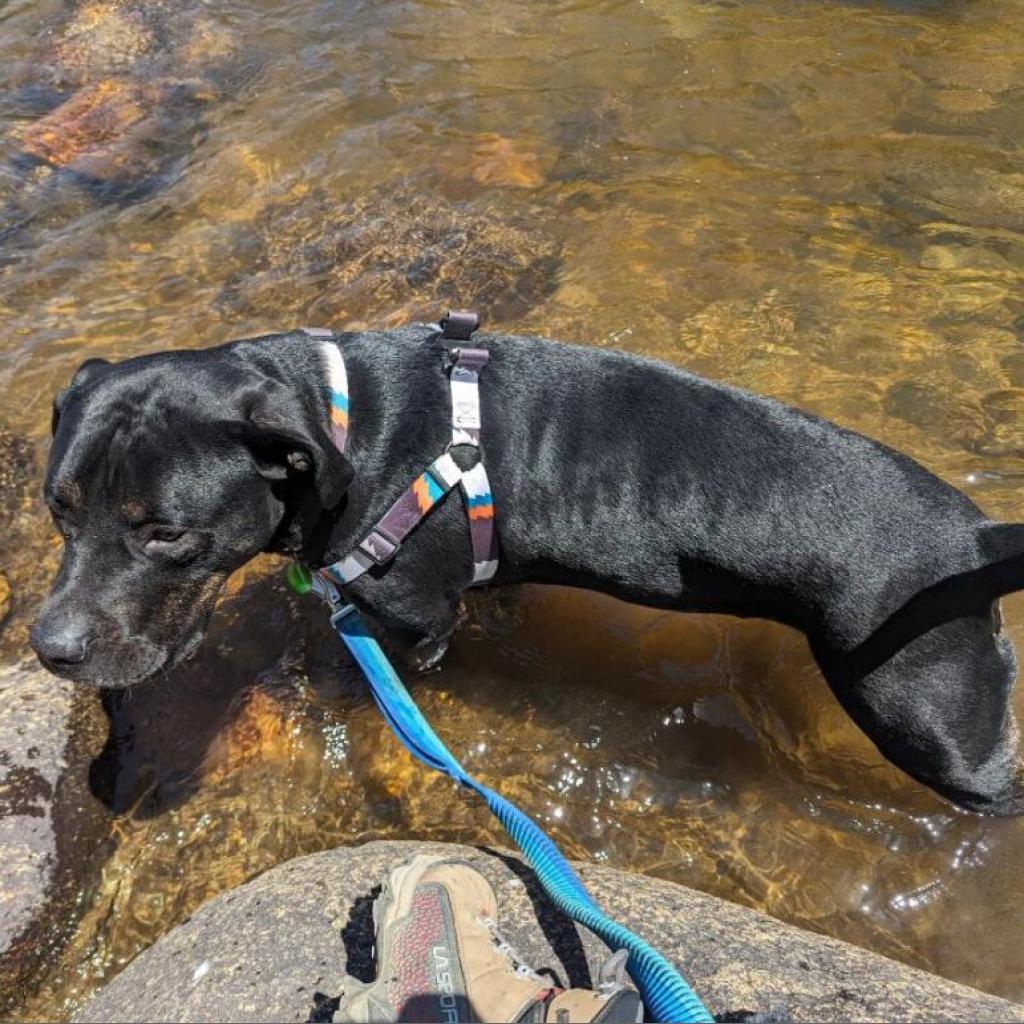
379,546
459,324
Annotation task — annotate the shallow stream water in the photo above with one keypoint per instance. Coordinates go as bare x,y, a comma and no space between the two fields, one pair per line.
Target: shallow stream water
823,202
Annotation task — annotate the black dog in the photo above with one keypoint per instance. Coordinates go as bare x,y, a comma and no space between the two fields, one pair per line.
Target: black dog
609,472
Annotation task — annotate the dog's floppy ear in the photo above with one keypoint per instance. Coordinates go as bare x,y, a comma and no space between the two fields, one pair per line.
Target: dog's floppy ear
286,438
89,370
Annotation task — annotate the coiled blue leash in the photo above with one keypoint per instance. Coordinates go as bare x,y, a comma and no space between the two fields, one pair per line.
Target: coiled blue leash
665,993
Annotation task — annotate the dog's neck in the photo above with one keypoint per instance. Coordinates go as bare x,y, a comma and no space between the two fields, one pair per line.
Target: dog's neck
398,422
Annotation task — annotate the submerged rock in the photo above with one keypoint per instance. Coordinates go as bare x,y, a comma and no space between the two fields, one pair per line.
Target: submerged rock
110,131
52,829
143,39
120,98
16,467
399,249
104,37
23,550
508,163
277,948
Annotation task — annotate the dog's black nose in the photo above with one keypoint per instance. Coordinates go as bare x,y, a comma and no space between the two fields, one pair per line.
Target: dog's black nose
63,646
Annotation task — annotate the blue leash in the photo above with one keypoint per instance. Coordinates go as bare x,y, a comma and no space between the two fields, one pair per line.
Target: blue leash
664,991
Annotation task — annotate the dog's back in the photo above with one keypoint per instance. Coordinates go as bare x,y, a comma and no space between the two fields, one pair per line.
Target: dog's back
709,497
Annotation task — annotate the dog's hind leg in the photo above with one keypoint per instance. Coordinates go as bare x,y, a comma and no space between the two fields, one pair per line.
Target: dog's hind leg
932,684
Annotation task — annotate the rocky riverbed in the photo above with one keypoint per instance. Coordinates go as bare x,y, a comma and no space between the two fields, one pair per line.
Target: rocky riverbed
112,99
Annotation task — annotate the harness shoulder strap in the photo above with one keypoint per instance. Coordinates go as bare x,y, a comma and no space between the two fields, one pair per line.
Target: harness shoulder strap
476,488
483,535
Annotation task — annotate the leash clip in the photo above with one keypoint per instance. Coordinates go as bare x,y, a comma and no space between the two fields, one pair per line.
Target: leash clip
304,580
342,612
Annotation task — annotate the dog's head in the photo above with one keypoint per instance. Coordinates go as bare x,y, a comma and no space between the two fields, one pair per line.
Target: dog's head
168,472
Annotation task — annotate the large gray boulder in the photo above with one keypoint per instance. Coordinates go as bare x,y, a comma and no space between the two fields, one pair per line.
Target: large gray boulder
276,949
51,826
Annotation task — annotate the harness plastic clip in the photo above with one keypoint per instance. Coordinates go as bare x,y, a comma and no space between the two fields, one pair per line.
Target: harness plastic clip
459,324
468,362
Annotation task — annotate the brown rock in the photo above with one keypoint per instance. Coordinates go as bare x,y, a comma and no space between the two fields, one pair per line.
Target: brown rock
95,116
106,37
102,130
498,160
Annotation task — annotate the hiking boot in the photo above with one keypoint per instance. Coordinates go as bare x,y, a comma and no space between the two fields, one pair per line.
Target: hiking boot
440,958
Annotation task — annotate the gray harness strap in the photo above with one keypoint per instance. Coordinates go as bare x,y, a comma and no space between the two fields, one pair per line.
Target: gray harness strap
381,544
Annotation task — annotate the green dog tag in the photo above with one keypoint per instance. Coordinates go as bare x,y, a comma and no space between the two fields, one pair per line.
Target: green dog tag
300,578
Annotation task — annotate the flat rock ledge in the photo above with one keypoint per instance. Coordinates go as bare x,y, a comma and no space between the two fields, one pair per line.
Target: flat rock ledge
277,948
52,828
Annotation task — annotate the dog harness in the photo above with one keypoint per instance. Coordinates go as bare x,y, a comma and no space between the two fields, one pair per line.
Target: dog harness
381,544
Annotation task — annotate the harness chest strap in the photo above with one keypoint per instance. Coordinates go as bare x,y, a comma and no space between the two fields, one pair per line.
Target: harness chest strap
381,544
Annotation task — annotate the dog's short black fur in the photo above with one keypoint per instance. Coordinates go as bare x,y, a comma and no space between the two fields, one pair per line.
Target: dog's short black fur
610,472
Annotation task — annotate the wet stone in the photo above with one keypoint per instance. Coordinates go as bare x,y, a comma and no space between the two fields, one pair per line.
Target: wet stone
277,949
508,163
143,39
104,130
51,827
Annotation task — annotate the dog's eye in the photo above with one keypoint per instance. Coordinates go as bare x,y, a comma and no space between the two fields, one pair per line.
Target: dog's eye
165,534
163,539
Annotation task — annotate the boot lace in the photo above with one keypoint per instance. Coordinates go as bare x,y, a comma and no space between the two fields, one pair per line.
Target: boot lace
519,966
